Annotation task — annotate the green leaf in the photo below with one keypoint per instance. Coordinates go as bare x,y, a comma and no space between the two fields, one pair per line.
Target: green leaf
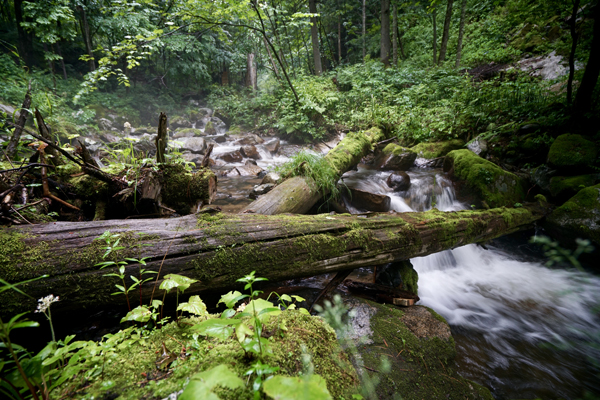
176,281
241,331
138,314
218,328
201,384
312,387
194,306
230,299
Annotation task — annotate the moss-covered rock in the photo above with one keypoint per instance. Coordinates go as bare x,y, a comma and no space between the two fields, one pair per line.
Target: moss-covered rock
395,157
569,152
188,132
564,187
579,216
493,185
418,344
437,149
182,190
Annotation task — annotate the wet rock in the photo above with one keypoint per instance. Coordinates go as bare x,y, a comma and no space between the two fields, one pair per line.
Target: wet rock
250,162
209,129
399,274
105,124
250,139
218,126
109,137
179,122
394,157
273,146
437,149
565,187
250,151
261,189
271,177
232,172
205,112
398,181
493,185
571,152
145,146
193,144
541,177
8,110
231,156
250,170
188,132
220,138
579,217
478,146
369,201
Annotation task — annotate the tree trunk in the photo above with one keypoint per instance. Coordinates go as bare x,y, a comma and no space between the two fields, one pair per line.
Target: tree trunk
217,249
299,194
24,41
11,149
50,65
62,61
385,32
314,34
461,31
364,29
395,35
446,33
572,29
251,72
45,133
275,70
85,30
161,138
583,99
434,16
339,43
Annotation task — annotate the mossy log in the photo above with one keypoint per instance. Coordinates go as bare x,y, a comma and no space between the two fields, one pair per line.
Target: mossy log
297,195
217,249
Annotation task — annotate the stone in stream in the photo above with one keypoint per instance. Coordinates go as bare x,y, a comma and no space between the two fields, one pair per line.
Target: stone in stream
261,189
355,201
271,177
394,157
193,144
249,170
273,146
220,138
250,139
579,217
105,124
231,156
179,122
398,181
249,151
572,153
187,132
218,127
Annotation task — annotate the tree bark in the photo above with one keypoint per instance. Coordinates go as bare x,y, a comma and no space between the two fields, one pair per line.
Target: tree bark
62,61
446,33
434,16
583,99
395,35
364,29
217,249
161,138
572,26
24,40
314,34
385,32
461,31
275,70
251,77
85,30
299,194
11,149
339,42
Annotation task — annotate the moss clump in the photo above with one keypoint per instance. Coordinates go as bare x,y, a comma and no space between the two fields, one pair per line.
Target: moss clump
186,131
570,151
493,185
129,362
561,186
183,191
410,278
418,344
580,215
437,149
209,129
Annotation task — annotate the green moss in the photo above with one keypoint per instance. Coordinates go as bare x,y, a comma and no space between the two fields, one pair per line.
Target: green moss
352,148
129,361
235,130
194,131
209,129
394,149
87,186
182,190
571,151
580,215
410,278
437,149
569,186
488,181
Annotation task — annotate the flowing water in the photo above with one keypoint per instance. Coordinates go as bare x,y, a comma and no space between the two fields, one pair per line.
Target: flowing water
521,329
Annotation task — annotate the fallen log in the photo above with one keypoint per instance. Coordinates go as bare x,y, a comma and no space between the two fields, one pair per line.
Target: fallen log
298,194
217,249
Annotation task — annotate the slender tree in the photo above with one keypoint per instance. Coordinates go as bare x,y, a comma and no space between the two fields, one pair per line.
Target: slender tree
461,31
434,17
395,35
572,29
364,30
314,33
583,99
446,33
85,32
385,32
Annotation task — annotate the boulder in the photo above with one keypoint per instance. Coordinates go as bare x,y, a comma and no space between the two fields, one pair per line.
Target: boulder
394,157
194,144
105,124
579,217
398,181
250,151
187,132
571,152
109,137
231,156
250,139
209,129
179,122
261,189
478,146
273,146
250,170
368,201
204,112
437,149
494,186
541,177
220,138
218,125
565,187
271,177
145,146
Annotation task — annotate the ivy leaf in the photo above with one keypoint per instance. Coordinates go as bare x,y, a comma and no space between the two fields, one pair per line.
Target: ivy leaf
312,387
231,298
194,306
176,281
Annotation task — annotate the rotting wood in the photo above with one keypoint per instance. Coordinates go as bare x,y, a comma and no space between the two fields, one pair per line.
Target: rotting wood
217,249
297,195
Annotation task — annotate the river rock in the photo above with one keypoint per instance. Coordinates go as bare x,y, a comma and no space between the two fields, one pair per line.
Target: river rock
437,149
205,112
493,185
193,144
565,187
399,181
179,122
250,139
579,217
271,177
250,151
394,157
541,177
220,138
570,152
383,330
273,146
146,146
261,189
109,137
231,156
219,126
250,170
105,124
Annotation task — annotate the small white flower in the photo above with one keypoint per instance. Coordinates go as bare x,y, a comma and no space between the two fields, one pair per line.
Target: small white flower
241,307
45,302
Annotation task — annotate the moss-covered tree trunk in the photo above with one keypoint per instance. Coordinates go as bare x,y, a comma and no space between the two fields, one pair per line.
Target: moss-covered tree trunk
298,195
217,249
